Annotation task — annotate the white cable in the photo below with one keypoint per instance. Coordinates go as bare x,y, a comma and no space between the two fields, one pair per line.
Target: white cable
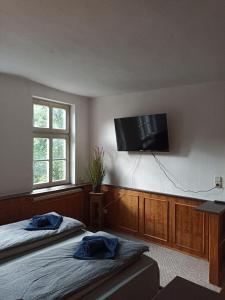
165,172
132,167
135,168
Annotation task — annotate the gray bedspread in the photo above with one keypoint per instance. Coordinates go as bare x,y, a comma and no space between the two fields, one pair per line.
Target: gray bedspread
55,274
14,235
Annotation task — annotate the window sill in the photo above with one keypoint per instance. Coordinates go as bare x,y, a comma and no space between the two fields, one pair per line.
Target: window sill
55,189
46,191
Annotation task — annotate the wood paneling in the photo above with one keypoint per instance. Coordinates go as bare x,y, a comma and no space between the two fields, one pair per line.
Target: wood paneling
189,227
122,210
168,220
96,209
215,257
111,219
155,215
23,207
216,215
12,210
172,221
128,212
69,205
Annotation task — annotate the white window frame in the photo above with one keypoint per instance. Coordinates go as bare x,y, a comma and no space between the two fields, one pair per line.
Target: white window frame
52,133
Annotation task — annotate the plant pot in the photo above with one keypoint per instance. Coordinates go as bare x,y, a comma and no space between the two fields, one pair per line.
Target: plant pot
96,188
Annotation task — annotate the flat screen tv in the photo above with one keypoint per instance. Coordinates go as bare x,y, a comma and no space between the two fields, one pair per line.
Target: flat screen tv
142,133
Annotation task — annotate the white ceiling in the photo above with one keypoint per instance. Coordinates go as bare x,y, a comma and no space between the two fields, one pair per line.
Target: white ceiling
102,47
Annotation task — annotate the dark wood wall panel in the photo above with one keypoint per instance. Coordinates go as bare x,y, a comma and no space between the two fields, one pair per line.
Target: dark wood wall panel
168,220
123,210
12,210
128,210
111,219
74,205
216,241
69,205
189,223
155,218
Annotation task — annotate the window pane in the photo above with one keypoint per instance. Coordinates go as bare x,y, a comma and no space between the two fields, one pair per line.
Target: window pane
40,149
41,116
58,118
58,170
40,172
59,148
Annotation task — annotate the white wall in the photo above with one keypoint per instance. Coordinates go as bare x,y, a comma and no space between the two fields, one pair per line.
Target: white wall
16,131
196,128
196,120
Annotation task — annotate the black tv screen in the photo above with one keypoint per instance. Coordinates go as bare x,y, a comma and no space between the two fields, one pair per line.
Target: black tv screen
142,133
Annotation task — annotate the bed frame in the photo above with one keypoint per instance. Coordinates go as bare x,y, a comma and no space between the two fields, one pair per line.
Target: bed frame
141,278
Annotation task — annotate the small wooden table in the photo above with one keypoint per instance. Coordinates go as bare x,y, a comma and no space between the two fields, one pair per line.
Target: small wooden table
96,210
182,289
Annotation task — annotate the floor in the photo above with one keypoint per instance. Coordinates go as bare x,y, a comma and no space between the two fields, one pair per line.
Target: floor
173,263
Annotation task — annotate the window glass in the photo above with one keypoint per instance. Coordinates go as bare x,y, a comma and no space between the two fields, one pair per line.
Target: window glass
41,148
58,118
59,170
59,148
40,172
40,116
50,143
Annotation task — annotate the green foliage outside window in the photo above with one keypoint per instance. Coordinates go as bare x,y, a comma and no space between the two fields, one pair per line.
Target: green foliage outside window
41,116
41,159
49,166
59,118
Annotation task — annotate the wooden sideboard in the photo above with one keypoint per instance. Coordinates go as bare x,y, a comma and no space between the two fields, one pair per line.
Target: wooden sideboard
168,220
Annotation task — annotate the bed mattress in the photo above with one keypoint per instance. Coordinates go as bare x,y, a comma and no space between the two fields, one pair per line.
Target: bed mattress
14,239
53,273
139,278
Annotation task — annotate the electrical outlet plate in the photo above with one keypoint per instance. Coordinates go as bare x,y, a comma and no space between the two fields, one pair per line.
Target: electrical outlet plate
219,182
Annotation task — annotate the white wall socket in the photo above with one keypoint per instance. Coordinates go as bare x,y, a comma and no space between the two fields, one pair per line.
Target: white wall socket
219,182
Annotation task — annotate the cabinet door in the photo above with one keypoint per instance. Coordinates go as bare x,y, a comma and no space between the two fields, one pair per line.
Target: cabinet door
189,228
128,211
154,217
122,210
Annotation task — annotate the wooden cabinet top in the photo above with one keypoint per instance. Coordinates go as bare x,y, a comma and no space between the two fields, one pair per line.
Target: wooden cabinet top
212,207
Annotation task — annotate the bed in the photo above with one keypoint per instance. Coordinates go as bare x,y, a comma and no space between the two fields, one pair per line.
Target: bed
15,240
52,273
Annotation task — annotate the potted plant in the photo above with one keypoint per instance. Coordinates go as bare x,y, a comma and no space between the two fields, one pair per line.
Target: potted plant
96,169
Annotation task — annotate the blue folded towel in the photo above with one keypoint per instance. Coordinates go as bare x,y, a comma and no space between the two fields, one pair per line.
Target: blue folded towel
45,222
97,247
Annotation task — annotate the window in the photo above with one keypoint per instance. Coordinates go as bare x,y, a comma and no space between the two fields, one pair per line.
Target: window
51,138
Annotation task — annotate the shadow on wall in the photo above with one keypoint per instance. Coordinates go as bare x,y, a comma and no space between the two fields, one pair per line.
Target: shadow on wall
179,143
180,137
181,131
112,170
